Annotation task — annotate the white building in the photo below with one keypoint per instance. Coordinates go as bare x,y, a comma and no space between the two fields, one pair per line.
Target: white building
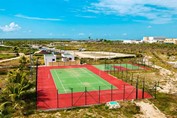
49,58
1,43
132,41
67,57
170,41
153,39
127,41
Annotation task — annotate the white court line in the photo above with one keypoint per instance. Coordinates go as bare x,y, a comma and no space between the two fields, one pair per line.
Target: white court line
53,78
74,75
93,75
60,81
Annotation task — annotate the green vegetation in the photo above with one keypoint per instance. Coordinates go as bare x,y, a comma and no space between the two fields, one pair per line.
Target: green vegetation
127,110
18,95
7,56
6,49
167,103
17,90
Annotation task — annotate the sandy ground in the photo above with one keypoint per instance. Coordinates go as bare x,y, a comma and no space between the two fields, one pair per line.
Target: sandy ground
149,110
168,77
5,60
97,55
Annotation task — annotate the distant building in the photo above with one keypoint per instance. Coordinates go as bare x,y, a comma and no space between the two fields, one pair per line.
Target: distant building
153,39
35,46
171,41
49,58
127,41
1,43
67,57
82,49
132,41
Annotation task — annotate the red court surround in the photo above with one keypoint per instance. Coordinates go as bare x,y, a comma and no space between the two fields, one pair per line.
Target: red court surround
48,98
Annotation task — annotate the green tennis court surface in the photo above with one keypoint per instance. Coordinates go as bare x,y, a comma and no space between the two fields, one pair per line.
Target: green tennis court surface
111,66
78,79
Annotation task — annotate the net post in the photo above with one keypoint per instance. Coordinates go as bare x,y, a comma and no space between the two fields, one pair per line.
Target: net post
99,95
71,96
85,95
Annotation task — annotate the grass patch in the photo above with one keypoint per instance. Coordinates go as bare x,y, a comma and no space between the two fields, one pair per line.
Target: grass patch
127,110
6,56
167,103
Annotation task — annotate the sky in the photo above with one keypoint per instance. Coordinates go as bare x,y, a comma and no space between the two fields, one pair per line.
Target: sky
80,19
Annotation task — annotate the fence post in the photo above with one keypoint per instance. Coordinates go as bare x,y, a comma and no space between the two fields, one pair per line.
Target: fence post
114,70
36,81
137,89
105,65
132,79
111,91
132,65
124,93
99,95
57,99
126,75
71,96
122,74
143,89
155,90
85,95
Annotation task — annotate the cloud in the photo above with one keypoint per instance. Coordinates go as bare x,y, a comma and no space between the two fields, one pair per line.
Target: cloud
50,34
2,9
156,11
37,18
149,27
81,34
124,34
11,27
85,16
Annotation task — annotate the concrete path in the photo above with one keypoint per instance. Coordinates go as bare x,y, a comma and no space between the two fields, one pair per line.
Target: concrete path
149,110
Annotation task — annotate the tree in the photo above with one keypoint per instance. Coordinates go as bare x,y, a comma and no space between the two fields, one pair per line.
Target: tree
14,96
16,50
24,61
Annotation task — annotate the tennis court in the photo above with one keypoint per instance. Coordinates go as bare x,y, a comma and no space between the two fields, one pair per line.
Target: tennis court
78,79
80,85
108,67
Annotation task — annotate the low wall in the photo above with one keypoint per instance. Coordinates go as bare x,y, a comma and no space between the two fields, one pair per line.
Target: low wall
61,63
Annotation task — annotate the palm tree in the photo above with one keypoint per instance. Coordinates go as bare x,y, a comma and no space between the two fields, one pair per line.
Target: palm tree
13,96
